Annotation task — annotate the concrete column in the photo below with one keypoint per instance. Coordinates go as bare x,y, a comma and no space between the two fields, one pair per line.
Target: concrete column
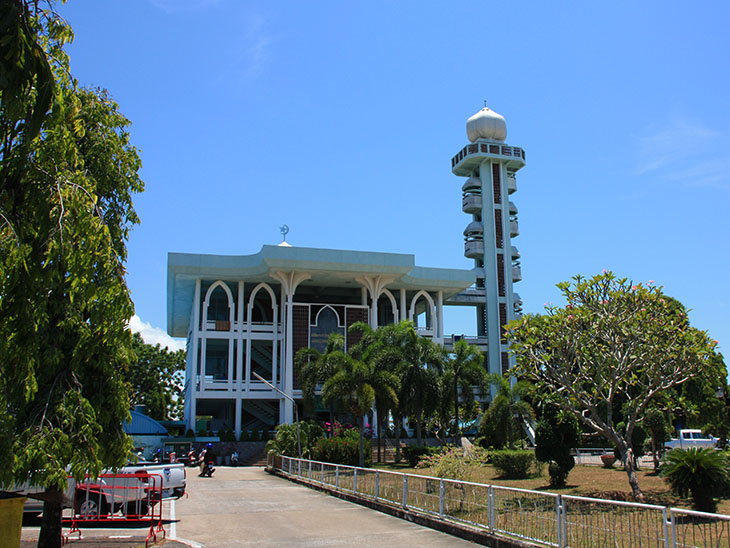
403,309
289,368
237,420
440,314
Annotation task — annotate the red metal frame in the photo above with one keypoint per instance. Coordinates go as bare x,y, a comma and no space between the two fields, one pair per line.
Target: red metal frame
118,498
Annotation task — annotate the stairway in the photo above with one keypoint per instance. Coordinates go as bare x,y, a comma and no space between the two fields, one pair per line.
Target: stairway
257,459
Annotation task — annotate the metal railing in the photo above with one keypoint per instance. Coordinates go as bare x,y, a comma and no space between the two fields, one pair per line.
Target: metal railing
535,516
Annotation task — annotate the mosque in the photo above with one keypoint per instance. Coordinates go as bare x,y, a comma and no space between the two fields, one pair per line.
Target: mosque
246,316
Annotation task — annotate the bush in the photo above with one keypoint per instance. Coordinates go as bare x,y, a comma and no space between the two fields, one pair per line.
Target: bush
514,464
244,436
454,463
556,434
700,472
342,450
227,435
190,433
414,453
285,440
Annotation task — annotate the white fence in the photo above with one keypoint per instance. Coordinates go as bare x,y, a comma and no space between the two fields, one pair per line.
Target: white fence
534,516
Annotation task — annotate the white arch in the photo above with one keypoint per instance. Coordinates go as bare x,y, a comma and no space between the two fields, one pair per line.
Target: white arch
428,297
231,306
252,299
393,303
316,318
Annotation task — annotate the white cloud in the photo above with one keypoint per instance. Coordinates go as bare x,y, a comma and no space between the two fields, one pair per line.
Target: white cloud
155,335
684,151
255,47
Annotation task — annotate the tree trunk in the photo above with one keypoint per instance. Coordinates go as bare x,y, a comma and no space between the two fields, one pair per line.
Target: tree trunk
362,441
627,458
397,421
419,434
654,454
332,422
50,534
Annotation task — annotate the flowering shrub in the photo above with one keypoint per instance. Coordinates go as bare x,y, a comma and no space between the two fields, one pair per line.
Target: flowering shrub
342,450
453,463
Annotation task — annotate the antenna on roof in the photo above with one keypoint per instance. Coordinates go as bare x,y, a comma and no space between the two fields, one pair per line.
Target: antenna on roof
485,103
284,231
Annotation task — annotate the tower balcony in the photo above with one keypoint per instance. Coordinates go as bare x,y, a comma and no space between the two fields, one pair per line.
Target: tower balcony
472,203
472,155
512,208
474,249
511,183
515,253
516,274
514,229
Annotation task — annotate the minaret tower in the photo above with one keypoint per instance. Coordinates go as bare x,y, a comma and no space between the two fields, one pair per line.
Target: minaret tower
490,165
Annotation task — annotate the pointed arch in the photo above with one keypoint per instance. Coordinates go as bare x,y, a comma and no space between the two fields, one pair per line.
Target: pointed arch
340,321
252,301
393,303
430,312
220,325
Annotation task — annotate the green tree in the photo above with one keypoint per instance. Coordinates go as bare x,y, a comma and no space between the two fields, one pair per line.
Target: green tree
463,369
557,433
613,339
373,348
355,385
656,423
315,368
67,173
702,473
154,378
504,420
285,440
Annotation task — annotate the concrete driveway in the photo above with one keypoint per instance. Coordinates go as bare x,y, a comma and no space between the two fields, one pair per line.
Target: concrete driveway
248,507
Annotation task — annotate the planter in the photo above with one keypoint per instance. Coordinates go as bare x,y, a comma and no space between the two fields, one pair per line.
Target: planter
11,519
608,460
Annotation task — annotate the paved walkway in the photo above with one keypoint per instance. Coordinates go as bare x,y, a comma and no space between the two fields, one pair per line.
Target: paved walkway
248,507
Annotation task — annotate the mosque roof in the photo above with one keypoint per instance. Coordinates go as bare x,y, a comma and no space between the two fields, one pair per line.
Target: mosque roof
327,267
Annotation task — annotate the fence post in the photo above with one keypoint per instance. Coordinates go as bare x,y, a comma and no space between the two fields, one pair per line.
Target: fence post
310,470
441,497
377,484
665,523
490,512
322,475
354,481
337,477
563,524
405,491
299,468
558,520
674,529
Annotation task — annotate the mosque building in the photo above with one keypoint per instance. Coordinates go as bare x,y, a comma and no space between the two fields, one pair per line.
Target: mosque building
246,316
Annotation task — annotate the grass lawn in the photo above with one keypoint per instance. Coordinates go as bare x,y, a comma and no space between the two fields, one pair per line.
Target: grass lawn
588,481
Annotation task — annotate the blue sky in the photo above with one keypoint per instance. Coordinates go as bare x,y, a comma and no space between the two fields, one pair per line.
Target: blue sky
340,120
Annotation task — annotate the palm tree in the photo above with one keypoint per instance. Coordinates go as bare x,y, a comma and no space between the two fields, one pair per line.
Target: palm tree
699,472
355,385
464,368
517,411
315,368
372,348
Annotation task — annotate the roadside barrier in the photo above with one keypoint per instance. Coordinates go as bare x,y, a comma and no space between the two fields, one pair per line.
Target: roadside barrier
117,498
545,519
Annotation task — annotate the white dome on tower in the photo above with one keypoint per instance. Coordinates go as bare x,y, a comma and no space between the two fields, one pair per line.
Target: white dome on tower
486,124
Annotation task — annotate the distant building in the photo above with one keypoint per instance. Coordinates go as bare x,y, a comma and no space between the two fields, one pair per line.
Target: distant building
251,313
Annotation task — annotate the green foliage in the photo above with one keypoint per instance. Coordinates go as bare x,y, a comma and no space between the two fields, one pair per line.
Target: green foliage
285,440
227,435
190,433
503,422
556,434
453,462
615,345
514,464
463,370
342,450
155,379
67,175
414,453
702,473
